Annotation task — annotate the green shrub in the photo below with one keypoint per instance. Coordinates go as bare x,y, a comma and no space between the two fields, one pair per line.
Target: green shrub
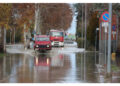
80,41
1,55
115,68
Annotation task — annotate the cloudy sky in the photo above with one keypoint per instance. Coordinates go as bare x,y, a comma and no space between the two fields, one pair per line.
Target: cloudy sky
72,29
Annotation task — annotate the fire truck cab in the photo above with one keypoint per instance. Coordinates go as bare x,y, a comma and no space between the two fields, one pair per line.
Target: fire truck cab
57,38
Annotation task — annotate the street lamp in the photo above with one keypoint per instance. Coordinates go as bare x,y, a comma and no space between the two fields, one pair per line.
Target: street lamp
97,29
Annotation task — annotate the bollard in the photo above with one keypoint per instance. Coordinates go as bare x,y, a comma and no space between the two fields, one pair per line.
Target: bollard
113,56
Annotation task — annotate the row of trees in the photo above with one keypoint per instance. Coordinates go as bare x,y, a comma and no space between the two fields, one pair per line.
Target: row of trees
94,12
26,16
52,16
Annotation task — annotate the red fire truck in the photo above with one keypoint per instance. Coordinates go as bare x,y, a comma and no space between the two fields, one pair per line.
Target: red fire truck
42,42
57,38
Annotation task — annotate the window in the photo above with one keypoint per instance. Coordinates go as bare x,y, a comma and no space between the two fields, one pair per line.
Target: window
42,38
57,34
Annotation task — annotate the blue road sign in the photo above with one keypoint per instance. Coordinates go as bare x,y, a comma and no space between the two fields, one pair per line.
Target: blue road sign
114,28
33,32
105,16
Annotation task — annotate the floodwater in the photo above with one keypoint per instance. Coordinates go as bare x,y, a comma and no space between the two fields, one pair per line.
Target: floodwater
70,67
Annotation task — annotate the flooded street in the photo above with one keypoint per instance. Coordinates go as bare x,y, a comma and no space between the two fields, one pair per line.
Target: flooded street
52,67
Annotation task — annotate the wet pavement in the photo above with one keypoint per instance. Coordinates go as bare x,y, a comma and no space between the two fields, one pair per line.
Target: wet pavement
52,67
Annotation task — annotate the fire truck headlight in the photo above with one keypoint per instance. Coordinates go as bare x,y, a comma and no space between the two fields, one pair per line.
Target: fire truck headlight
52,43
47,45
37,46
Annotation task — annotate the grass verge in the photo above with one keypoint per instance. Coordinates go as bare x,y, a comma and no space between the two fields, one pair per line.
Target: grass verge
1,55
115,68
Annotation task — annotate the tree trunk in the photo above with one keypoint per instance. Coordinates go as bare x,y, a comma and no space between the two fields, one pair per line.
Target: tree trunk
1,39
37,19
4,40
25,46
27,37
14,35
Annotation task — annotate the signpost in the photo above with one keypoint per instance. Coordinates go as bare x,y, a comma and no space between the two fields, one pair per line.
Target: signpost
105,25
109,41
107,17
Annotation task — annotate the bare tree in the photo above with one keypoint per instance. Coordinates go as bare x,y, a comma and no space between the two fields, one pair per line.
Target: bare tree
37,19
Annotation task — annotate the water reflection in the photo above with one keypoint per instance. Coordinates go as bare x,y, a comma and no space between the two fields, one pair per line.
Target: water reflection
50,68
54,67
41,60
86,67
41,68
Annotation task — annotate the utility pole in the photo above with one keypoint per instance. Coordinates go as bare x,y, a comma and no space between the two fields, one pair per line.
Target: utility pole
82,29
117,32
109,40
85,25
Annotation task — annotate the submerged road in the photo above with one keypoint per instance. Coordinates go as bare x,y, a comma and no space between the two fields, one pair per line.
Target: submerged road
60,65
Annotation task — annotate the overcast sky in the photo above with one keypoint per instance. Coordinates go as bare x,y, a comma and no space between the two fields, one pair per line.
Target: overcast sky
72,29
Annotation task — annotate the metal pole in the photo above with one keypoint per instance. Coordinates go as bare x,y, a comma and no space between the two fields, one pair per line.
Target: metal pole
82,27
117,32
95,45
81,66
109,40
105,43
84,66
14,35
100,42
85,25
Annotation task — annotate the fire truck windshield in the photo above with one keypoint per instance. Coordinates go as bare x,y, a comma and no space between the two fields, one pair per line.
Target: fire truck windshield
57,34
42,38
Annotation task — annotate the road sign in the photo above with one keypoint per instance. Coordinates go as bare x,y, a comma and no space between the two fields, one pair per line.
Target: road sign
33,32
105,25
113,32
105,16
114,28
